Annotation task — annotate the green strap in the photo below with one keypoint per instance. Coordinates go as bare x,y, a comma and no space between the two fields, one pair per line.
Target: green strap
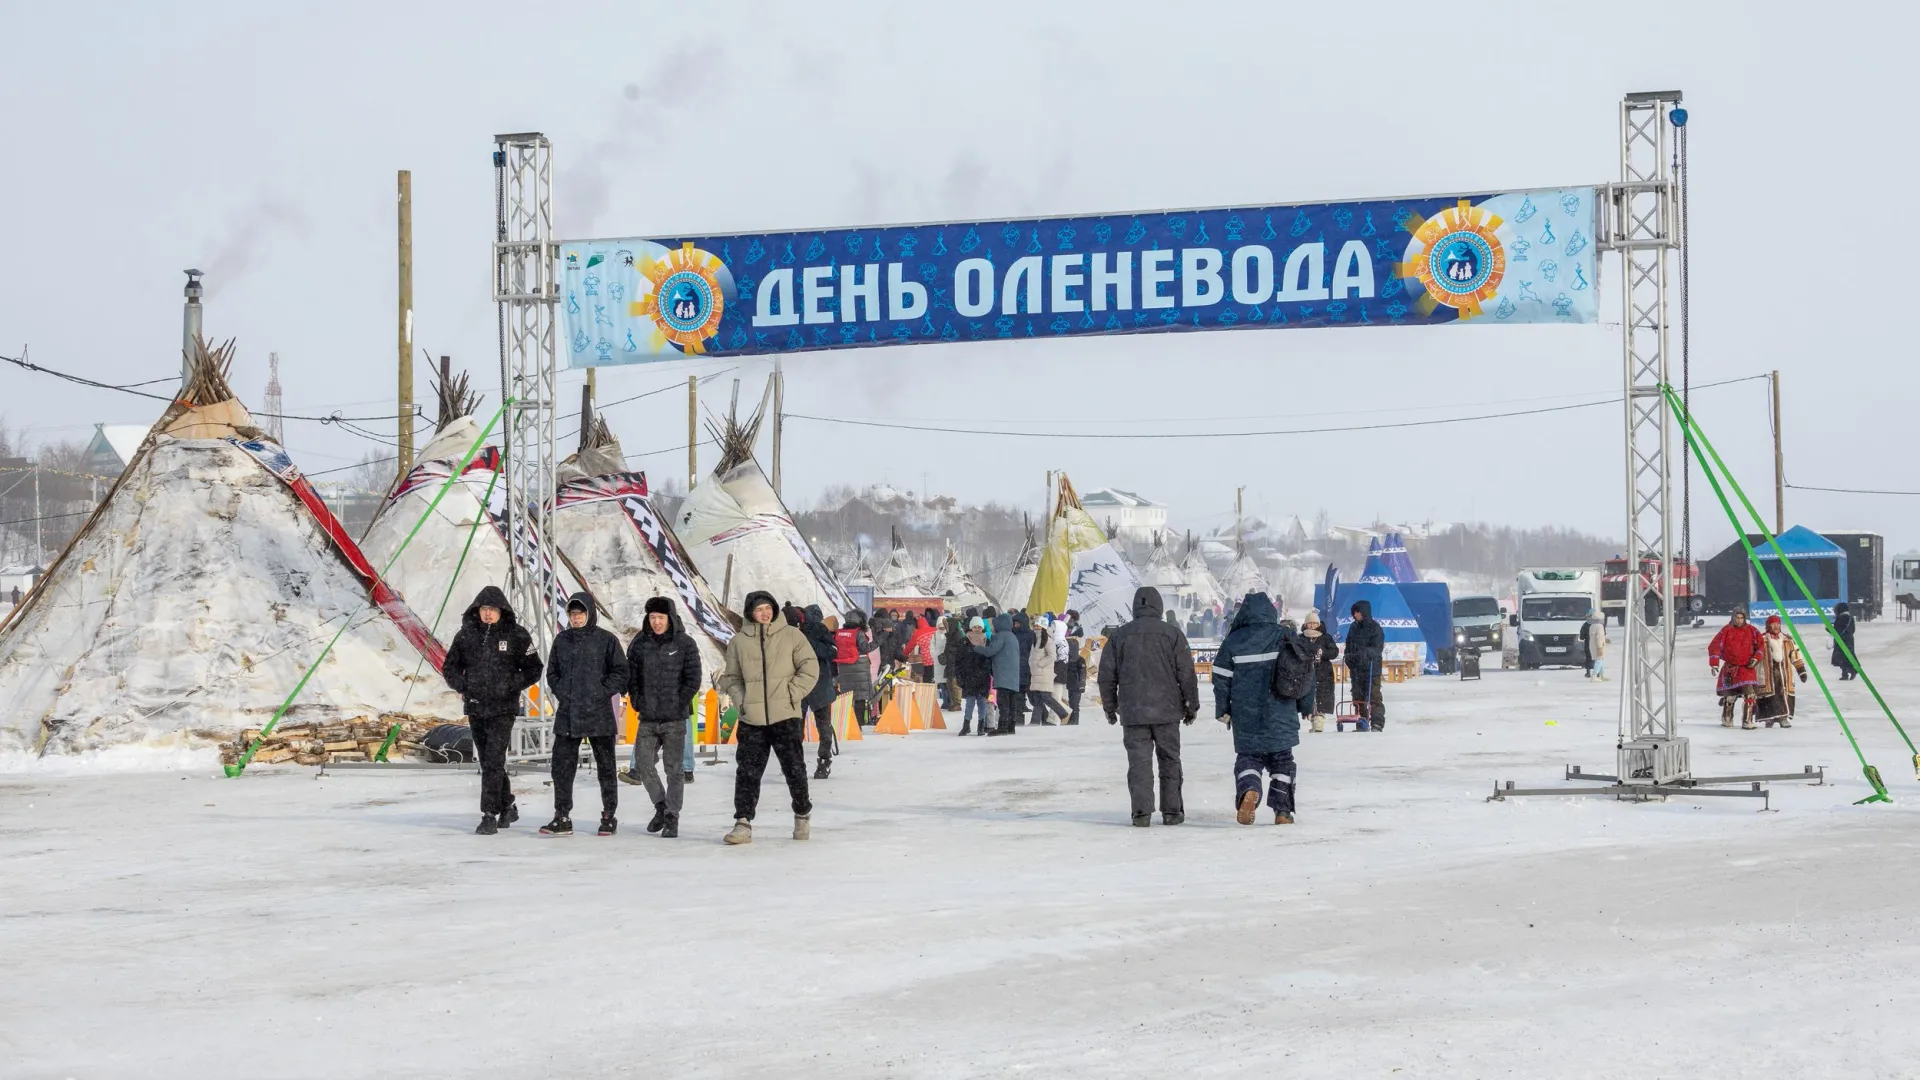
393,733
246,758
1697,439
1845,649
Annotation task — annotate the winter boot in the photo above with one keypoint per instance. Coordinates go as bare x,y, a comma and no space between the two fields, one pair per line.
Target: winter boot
608,824
1249,802
821,770
670,830
1175,818
510,815
687,776
659,817
1141,821
488,826
627,777
1319,721
1726,713
802,826
559,826
1784,722
741,833
1281,817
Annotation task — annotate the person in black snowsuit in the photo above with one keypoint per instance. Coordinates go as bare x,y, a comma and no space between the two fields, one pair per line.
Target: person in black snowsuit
1366,646
1147,681
1843,630
587,674
663,675
1266,727
491,662
819,701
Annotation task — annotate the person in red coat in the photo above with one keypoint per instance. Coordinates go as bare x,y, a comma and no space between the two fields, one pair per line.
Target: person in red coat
1735,656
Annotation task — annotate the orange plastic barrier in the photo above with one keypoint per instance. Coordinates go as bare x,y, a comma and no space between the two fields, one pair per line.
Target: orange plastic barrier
892,722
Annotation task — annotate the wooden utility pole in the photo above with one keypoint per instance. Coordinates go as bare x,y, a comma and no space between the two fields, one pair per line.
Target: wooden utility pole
779,406
406,323
693,431
1779,466
1237,511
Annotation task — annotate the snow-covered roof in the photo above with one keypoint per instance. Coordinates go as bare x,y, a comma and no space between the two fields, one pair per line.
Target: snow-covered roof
124,439
1114,497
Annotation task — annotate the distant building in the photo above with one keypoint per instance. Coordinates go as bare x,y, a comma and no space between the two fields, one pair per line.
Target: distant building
17,579
112,447
1132,516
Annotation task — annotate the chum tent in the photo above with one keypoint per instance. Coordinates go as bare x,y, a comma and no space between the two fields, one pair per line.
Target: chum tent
1164,574
1080,570
1203,589
741,536
611,533
898,576
1244,578
952,583
1017,586
198,594
462,546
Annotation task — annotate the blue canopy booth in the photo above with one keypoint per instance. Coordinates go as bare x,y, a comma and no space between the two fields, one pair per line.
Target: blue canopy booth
1820,562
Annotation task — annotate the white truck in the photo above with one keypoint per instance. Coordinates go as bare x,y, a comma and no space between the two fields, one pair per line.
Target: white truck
1555,604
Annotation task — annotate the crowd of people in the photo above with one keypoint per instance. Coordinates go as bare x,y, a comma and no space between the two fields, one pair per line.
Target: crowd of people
999,669
788,665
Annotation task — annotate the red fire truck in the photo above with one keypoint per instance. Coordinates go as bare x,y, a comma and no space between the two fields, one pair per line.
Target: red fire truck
1613,587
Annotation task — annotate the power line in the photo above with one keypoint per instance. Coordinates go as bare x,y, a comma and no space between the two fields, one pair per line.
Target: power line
28,365
1851,491
47,517
1030,434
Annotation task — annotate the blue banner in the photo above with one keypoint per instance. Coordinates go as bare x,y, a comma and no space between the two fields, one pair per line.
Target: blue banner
1511,257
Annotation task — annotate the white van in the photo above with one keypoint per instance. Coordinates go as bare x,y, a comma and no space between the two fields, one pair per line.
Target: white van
1555,604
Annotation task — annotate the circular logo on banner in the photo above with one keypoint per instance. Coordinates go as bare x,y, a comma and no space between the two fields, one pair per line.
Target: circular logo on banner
1463,262
686,302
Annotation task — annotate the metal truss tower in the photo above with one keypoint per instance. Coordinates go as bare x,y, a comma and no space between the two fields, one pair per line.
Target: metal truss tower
526,293
1639,221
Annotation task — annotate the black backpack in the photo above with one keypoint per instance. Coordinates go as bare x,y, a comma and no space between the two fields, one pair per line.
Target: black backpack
1293,668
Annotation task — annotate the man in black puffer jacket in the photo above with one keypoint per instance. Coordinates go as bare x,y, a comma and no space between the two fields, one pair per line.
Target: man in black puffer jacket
1366,646
491,661
1148,683
587,674
663,675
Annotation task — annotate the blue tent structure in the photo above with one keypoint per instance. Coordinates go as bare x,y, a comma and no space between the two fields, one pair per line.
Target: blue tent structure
1394,553
1432,605
1820,562
1376,586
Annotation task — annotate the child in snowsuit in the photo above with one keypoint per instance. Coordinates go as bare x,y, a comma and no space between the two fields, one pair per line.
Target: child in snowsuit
1265,728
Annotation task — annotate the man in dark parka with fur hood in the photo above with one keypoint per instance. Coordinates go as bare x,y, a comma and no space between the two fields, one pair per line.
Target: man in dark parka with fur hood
491,662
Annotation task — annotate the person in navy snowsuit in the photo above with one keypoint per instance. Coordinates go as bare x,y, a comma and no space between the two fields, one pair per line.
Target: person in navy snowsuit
1265,728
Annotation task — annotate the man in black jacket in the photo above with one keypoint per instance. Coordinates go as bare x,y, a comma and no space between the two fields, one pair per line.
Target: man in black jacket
663,675
491,661
1148,683
587,674
1366,646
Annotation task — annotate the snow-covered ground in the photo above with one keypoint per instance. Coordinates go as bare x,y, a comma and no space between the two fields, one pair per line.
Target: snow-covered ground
982,908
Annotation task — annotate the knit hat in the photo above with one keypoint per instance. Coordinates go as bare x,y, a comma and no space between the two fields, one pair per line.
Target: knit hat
977,623
659,605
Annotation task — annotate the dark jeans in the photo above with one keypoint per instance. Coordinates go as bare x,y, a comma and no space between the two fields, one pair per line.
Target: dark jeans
750,764
1044,702
1073,704
922,673
1362,676
1280,770
1009,705
823,726
566,762
1145,743
491,738
665,741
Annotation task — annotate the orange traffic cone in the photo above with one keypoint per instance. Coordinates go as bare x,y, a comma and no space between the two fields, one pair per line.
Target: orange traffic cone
891,720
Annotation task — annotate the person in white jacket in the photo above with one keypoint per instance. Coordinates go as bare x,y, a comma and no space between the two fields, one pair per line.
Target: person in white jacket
1040,663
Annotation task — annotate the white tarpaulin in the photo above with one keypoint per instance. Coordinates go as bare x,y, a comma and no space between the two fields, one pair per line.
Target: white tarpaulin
1102,588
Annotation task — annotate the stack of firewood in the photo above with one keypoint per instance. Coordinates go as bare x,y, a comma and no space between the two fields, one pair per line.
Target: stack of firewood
358,739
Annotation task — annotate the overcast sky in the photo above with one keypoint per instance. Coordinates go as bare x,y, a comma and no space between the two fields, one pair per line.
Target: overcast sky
259,142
